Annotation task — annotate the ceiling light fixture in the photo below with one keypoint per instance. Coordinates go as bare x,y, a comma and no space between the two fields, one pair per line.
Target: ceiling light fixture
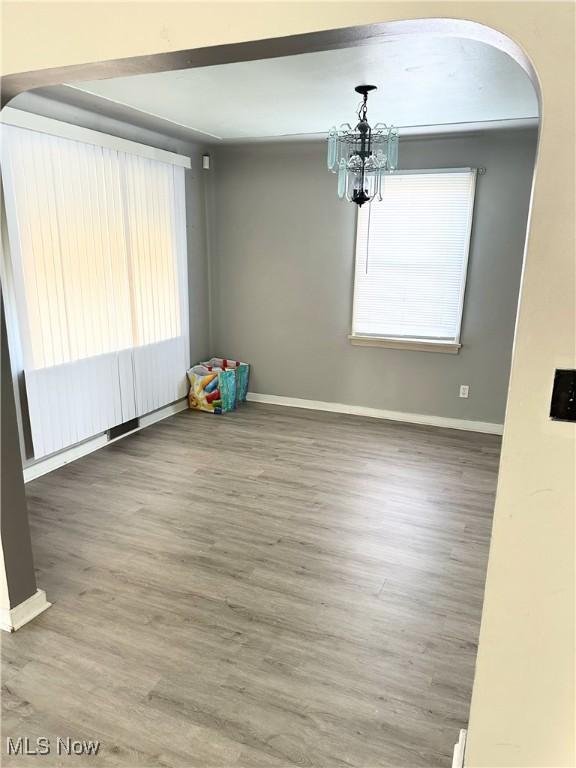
362,155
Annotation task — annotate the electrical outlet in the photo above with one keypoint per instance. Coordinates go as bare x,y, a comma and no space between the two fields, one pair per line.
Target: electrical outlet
464,390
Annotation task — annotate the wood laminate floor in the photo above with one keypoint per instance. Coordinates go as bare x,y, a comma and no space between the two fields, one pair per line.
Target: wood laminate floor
273,587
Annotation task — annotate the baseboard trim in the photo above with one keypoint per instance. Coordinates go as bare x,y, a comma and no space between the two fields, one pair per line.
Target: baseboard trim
12,619
459,750
44,466
162,413
75,452
377,413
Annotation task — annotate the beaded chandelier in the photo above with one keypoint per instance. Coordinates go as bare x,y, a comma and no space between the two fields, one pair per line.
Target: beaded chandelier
361,156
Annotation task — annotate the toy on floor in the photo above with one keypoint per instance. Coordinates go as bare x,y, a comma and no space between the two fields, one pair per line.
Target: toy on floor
212,389
241,370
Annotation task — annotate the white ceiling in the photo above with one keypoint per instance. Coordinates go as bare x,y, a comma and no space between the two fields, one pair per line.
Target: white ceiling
422,81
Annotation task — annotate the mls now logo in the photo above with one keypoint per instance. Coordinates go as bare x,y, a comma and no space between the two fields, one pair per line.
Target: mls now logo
23,745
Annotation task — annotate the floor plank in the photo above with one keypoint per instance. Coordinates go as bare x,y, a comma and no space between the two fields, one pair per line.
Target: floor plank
274,587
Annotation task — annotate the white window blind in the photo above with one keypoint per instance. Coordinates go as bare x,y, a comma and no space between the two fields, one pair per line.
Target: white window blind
98,268
411,257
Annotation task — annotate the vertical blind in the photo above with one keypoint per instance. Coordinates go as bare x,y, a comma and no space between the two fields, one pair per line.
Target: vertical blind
98,266
412,254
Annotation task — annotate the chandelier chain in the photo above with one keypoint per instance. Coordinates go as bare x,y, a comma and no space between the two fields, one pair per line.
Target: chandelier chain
363,108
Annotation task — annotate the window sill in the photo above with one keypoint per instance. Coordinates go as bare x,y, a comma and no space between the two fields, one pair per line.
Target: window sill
416,345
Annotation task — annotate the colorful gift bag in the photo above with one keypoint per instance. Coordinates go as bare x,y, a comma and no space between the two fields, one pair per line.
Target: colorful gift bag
242,371
212,390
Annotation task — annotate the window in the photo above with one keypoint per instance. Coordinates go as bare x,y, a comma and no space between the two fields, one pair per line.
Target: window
411,259
94,241
96,277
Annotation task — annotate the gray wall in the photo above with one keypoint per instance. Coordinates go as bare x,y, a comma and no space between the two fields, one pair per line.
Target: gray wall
14,529
282,251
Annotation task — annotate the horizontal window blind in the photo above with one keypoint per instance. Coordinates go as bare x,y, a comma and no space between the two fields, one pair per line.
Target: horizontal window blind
98,266
411,256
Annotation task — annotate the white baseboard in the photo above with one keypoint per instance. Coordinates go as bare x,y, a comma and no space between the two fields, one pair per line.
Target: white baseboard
163,413
44,466
12,619
377,413
459,750
89,446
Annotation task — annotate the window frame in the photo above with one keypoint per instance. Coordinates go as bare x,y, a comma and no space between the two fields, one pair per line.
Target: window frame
447,346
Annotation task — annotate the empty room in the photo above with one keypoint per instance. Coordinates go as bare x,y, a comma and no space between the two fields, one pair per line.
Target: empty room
258,324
